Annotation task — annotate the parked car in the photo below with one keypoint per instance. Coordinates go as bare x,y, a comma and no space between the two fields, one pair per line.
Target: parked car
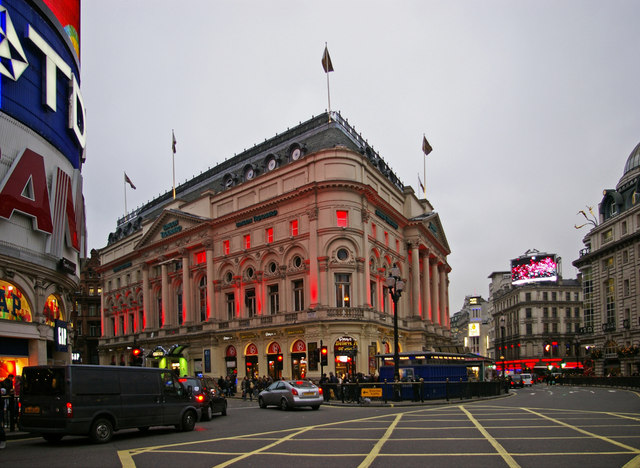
515,381
206,396
291,393
527,380
96,401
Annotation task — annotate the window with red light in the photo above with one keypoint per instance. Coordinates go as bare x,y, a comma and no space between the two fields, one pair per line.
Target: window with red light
397,246
269,235
200,257
343,218
373,230
225,247
247,241
293,228
386,238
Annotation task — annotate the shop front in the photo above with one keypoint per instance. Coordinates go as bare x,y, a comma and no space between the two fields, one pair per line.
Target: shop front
275,360
251,361
231,361
345,350
298,360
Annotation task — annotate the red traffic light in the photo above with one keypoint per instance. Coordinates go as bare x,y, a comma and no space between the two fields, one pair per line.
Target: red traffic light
279,357
136,352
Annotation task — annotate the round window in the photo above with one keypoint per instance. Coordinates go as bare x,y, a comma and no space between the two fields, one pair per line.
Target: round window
228,277
297,261
250,272
343,254
272,267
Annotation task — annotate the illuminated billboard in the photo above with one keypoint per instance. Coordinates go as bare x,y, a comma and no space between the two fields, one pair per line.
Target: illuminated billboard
533,268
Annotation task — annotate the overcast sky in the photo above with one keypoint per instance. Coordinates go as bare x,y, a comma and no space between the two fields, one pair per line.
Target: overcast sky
532,107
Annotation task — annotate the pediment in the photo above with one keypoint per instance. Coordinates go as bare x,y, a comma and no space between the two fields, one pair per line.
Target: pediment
170,223
433,225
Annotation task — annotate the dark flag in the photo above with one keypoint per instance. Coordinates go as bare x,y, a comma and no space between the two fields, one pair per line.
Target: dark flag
326,61
426,147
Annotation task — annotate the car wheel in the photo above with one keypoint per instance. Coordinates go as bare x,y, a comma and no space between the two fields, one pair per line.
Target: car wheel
315,407
284,405
188,421
261,403
207,413
51,438
101,431
224,409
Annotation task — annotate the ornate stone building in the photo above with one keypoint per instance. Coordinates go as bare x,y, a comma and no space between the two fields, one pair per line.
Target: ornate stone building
280,250
610,267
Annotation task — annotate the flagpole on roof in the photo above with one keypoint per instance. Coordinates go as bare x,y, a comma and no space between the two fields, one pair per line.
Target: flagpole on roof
124,183
328,67
426,149
424,173
173,160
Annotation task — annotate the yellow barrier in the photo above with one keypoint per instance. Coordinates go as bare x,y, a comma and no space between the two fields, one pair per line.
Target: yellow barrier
371,392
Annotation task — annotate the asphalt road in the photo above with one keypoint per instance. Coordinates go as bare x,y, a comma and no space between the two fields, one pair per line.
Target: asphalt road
534,427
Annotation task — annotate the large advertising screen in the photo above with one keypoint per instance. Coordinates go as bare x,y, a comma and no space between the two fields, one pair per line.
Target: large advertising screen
529,269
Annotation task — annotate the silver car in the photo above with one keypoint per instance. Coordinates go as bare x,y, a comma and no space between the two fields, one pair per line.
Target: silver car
291,393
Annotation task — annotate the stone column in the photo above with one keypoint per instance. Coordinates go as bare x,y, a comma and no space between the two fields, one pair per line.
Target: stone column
314,282
435,306
415,279
426,290
211,312
187,306
365,253
149,320
441,293
166,316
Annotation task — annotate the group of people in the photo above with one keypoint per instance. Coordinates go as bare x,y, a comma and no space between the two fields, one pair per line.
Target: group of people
227,385
253,385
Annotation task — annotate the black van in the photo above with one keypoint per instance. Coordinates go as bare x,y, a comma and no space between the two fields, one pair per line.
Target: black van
99,400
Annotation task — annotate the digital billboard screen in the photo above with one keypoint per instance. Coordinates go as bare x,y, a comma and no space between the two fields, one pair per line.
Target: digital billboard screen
530,269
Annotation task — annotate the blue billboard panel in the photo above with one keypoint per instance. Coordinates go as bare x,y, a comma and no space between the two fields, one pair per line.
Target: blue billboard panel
39,78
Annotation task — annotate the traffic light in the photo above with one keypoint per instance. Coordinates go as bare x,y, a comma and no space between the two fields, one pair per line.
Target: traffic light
136,357
324,354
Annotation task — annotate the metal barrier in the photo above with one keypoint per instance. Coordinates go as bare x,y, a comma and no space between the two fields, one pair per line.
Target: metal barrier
9,412
383,392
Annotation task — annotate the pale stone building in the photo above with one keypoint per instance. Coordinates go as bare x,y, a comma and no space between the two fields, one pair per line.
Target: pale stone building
263,259
610,267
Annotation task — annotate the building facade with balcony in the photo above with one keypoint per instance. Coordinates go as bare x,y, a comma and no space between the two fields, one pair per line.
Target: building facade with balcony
610,267
280,250
86,314
535,325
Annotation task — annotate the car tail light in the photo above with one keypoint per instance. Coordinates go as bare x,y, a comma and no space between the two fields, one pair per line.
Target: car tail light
69,412
200,398
294,391
320,390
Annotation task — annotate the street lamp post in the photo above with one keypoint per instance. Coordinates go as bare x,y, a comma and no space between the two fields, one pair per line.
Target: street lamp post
396,286
502,348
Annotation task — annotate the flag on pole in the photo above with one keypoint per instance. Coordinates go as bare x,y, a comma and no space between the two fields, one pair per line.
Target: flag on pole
426,147
326,61
173,143
420,183
128,181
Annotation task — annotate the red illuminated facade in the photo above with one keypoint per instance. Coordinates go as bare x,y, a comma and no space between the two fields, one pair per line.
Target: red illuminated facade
283,249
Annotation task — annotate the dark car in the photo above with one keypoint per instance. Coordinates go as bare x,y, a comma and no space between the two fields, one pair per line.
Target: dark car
516,381
291,393
206,396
